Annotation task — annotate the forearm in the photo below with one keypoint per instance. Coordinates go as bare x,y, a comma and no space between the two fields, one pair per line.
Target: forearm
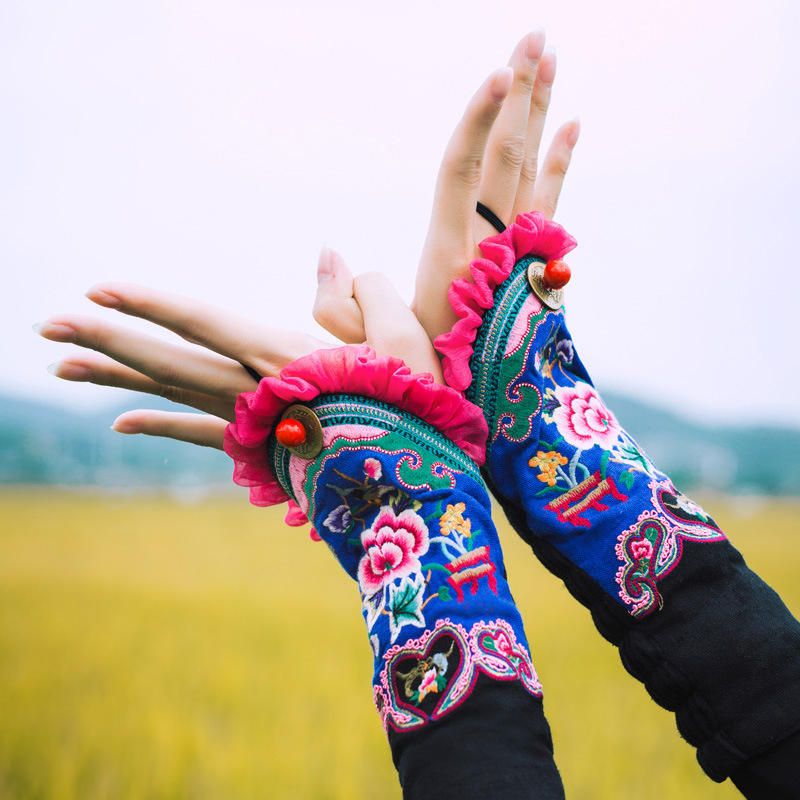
406,513
722,652
709,639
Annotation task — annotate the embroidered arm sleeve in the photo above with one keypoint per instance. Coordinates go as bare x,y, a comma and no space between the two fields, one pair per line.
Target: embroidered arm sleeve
710,640
385,470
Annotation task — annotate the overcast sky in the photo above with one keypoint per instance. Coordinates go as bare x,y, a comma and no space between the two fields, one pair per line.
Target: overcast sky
212,148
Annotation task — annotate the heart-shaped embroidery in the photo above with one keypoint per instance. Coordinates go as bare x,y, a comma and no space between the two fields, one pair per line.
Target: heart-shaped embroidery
426,677
680,511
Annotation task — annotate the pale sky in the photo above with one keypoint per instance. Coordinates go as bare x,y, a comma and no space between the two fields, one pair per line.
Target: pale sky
212,148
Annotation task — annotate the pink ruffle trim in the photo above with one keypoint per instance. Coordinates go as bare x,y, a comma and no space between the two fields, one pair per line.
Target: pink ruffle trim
531,234
343,370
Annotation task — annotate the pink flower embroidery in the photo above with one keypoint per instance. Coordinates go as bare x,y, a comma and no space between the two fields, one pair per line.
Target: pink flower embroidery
373,469
582,419
642,549
392,548
428,685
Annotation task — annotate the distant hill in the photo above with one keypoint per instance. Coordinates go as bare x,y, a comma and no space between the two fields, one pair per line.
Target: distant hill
46,444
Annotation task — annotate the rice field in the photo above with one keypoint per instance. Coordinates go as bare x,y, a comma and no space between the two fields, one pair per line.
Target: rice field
157,649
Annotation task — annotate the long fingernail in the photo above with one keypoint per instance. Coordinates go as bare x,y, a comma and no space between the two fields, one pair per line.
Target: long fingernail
534,45
69,372
55,331
501,83
118,426
573,132
324,265
103,297
547,66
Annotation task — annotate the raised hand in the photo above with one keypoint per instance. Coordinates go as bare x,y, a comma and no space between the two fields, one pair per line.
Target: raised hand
492,157
208,379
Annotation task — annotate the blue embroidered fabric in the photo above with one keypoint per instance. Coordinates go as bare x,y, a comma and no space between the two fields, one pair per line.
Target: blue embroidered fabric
408,516
557,451
708,638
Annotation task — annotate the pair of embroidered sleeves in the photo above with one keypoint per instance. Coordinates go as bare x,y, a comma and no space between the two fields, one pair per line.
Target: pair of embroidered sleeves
393,476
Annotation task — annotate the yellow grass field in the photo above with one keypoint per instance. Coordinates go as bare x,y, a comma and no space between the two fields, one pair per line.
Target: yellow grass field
152,649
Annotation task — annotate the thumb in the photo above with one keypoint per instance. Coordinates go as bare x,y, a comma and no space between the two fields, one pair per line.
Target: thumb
335,308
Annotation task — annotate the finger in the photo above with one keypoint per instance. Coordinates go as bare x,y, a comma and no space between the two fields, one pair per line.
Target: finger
460,173
103,371
554,169
450,245
540,102
335,308
164,362
506,148
266,348
201,429
391,327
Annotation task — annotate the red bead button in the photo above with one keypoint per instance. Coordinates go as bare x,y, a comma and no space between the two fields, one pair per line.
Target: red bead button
556,274
290,433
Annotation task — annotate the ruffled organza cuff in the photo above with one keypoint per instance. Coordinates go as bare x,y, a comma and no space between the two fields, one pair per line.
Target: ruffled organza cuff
344,370
531,234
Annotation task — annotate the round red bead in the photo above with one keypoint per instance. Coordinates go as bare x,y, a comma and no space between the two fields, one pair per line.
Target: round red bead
290,433
556,274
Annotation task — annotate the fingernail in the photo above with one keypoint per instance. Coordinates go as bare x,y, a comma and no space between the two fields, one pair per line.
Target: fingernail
324,265
119,427
547,66
103,297
534,44
572,133
502,83
55,331
70,372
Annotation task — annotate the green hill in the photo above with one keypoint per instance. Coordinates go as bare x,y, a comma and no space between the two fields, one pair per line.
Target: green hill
46,444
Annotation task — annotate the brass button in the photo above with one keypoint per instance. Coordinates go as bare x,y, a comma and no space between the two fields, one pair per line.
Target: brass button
312,446
552,298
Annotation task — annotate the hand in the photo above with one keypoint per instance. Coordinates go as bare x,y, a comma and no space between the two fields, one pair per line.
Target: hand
209,379
492,156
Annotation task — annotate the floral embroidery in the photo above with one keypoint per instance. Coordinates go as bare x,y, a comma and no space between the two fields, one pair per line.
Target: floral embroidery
548,462
339,520
392,548
359,498
565,351
651,548
501,656
362,492
453,521
581,417
393,578
433,671
373,469
426,678
640,547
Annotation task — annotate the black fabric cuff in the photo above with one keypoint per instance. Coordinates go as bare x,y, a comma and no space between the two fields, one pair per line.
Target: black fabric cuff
497,744
723,653
773,775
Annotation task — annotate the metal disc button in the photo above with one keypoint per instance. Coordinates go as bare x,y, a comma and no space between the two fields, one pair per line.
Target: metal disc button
312,446
552,298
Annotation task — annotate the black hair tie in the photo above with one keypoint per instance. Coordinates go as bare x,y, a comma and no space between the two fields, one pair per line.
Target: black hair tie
252,373
491,217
